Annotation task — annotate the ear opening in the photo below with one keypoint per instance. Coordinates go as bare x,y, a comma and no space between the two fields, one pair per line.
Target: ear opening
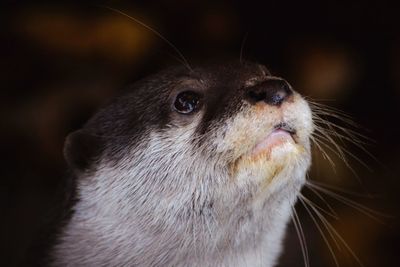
81,149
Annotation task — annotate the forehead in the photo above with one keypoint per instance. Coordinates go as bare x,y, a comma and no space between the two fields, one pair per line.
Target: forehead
232,73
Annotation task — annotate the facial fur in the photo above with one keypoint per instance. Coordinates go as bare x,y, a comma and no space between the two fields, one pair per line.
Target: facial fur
159,188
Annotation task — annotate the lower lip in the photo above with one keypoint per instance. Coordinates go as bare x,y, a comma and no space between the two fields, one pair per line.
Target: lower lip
276,138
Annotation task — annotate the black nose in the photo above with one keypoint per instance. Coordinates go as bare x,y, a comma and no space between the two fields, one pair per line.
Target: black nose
272,91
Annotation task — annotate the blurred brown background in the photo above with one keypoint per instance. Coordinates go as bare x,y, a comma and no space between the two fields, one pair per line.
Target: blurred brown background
60,62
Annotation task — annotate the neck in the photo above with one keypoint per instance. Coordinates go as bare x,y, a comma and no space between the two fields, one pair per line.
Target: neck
110,226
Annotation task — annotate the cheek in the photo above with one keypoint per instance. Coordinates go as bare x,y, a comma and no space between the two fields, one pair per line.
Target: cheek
184,122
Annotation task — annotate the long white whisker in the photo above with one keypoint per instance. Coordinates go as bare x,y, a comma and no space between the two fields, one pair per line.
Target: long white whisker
340,156
323,135
320,208
320,231
361,208
331,229
323,199
355,157
341,190
325,155
311,205
302,239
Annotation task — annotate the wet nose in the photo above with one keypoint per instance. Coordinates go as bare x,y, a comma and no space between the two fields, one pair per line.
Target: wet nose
272,91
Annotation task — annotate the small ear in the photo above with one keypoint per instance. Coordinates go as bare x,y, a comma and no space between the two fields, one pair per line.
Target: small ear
81,149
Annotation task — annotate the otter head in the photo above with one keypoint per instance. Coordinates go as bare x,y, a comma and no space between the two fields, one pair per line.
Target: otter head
189,167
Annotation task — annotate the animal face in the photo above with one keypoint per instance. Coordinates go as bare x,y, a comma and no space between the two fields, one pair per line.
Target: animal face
222,147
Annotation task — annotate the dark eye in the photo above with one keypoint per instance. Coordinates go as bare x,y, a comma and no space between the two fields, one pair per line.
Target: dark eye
186,102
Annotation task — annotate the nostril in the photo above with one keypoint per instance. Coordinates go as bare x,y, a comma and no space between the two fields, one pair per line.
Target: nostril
271,91
257,96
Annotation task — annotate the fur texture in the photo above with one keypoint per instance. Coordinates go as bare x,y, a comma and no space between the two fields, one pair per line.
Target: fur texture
158,188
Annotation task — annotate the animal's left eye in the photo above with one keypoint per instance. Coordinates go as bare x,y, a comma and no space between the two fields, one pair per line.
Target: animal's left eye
187,102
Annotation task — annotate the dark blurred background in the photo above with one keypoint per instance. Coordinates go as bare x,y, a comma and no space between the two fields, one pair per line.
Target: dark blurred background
61,61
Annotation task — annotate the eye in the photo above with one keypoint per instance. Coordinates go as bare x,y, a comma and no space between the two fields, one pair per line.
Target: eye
187,102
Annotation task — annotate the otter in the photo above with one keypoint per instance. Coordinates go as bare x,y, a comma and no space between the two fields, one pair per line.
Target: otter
189,167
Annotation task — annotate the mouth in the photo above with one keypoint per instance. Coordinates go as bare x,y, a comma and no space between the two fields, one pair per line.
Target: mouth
280,135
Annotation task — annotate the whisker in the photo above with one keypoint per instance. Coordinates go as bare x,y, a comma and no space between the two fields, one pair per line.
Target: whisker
326,111
359,207
324,107
320,208
341,156
348,131
302,239
332,230
321,232
323,199
341,152
336,131
325,155
242,47
184,61
352,137
341,190
323,135
311,205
